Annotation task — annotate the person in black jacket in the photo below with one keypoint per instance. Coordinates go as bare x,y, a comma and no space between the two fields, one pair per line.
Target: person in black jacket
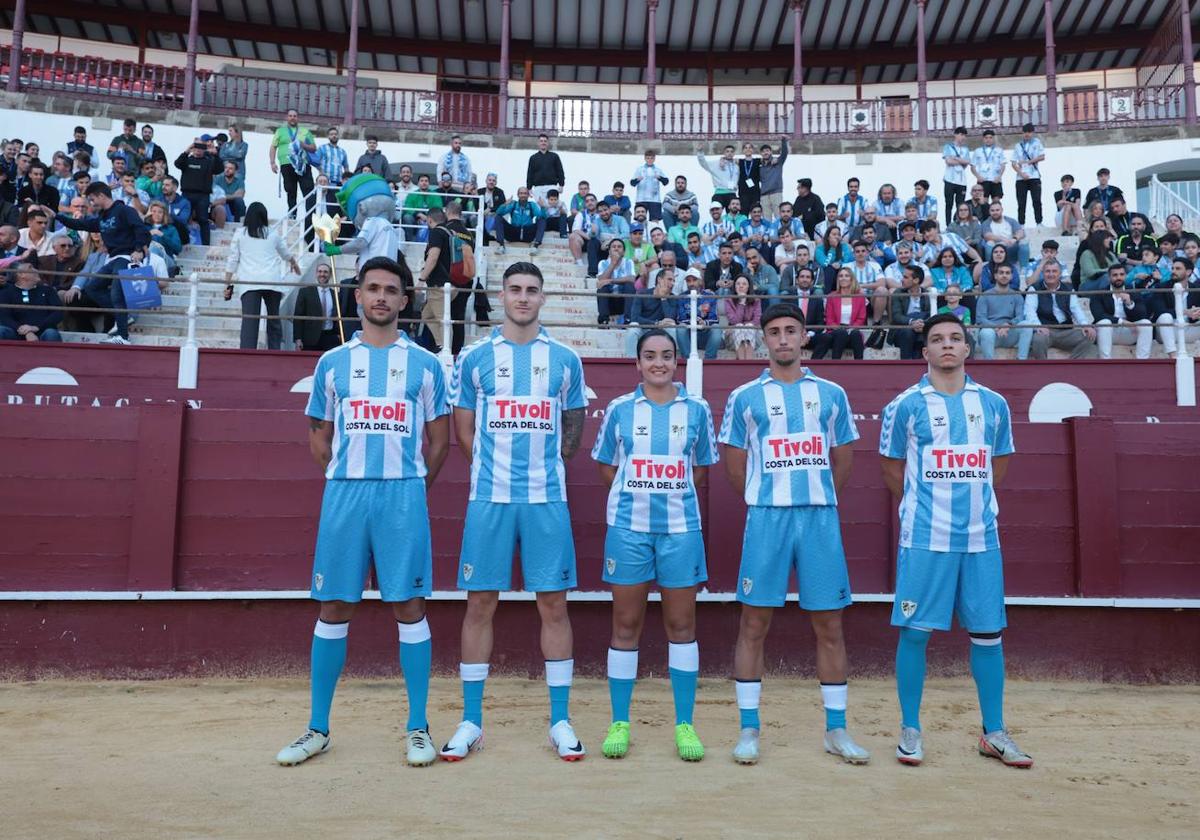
318,301
126,238
812,305
1121,317
807,206
545,171
29,324
749,183
197,168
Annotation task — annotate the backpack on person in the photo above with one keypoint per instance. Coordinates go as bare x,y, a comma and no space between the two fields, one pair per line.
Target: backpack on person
462,260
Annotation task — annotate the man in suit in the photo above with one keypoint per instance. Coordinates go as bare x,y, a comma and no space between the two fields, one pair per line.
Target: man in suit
317,301
910,308
808,298
1121,317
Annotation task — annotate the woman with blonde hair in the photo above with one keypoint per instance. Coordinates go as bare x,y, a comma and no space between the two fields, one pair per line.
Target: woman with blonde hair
845,314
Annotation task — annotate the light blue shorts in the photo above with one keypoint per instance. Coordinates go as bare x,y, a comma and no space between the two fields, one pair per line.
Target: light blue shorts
807,539
932,586
493,531
673,560
380,521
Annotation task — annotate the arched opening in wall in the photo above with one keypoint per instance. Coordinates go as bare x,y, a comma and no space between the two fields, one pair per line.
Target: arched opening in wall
1171,187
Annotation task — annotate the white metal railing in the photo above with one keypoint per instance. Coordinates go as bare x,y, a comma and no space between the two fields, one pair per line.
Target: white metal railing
1185,369
1181,198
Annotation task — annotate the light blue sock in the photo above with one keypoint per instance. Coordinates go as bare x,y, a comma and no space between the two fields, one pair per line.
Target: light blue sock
987,667
559,673
749,718
835,719
748,694
328,657
622,676
474,675
416,656
910,674
833,698
620,693
683,662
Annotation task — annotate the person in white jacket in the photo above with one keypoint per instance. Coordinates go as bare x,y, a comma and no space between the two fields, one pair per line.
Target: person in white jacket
257,256
724,176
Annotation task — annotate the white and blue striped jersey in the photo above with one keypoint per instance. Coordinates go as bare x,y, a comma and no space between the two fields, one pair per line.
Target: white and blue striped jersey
378,399
788,430
852,208
518,393
1022,153
948,444
654,448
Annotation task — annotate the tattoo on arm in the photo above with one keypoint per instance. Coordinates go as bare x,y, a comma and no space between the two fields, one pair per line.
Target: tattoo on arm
572,423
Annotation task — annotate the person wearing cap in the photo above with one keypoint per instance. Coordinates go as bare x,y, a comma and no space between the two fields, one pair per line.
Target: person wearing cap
987,165
708,335
716,230
786,438
29,324
1049,255
197,170
640,252
681,196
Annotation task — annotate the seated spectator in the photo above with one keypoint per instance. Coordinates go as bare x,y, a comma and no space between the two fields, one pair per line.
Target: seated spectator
1095,213
556,214
1053,304
757,231
694,252
178,206
743,311
58,269
763,277
1095,258
678,233
708,334
642,217
1156,284
617,276
985,273
910,311
1103,193
851,205
35,237
619,202
681,196
785,251
520,221
38,193
926,204
877,251
904,258
164,236
812,304
231,200
374,161
10,214
935,241
1121,317
1002,230
1175,227
1069,215
787,277
405,185
642,253
734,214
607,226
966,226
831,221
953,305
668,253
717,229
1122,218
888,210
113,179
652,307
871,222
845,312
317,301
720,273
578,201
999,312
949,271
128,192
980,206
10,242
417,204
832,254
29,324
1129,245
151,178
1184,272
80,143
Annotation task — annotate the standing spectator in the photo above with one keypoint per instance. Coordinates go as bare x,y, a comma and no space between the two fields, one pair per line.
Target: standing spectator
317,301
197,169
910,311
808,207
235,149
1121,317
743,311
649,179
80,143
150,149
373,158
724,175
232,189
954,180
1103,192
1053,303
999,312
29,324
37,193
288,151
334,162
616,276
126,240
749,176
708,334
435,276
521,221
681,196
257,256
771,173
1026,155
987,165
35,236
544,172
456,164
845,312
127,146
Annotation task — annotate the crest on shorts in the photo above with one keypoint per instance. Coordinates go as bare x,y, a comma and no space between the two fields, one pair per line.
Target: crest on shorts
907,608
610,564
468,570
747,585
318,581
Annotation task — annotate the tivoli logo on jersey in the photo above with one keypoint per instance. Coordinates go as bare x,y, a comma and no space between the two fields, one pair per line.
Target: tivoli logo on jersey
948,464
532,415
657,474
377,416
799,451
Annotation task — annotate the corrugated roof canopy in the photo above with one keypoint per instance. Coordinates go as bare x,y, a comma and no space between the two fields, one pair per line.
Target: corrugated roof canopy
605,40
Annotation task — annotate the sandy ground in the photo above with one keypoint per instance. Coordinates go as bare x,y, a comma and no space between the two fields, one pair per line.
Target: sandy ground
189,759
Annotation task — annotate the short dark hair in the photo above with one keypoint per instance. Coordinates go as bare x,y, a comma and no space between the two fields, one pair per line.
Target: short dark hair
944,318
806,183
1067,177
1185,262
1116,267
455,137
98,188
781,310
371,137
525,268
1102,171
960,129
551,193
1150,248
617,185
923,184
693,235
130,121
989,133
80,130
1027,127
390,266
655,332
601,203
35,213
543,135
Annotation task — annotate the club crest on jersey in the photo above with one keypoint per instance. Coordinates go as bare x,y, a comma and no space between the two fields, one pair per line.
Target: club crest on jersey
610,564
395,374
539,370
907,608
747,585
468,570
318,581
973,419
810,406
677,430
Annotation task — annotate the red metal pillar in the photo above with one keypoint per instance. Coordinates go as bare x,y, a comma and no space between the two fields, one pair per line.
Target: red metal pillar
189,73
1189,70
505,15
14,53
352,64
797,70
922,98
1051,70
651,66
